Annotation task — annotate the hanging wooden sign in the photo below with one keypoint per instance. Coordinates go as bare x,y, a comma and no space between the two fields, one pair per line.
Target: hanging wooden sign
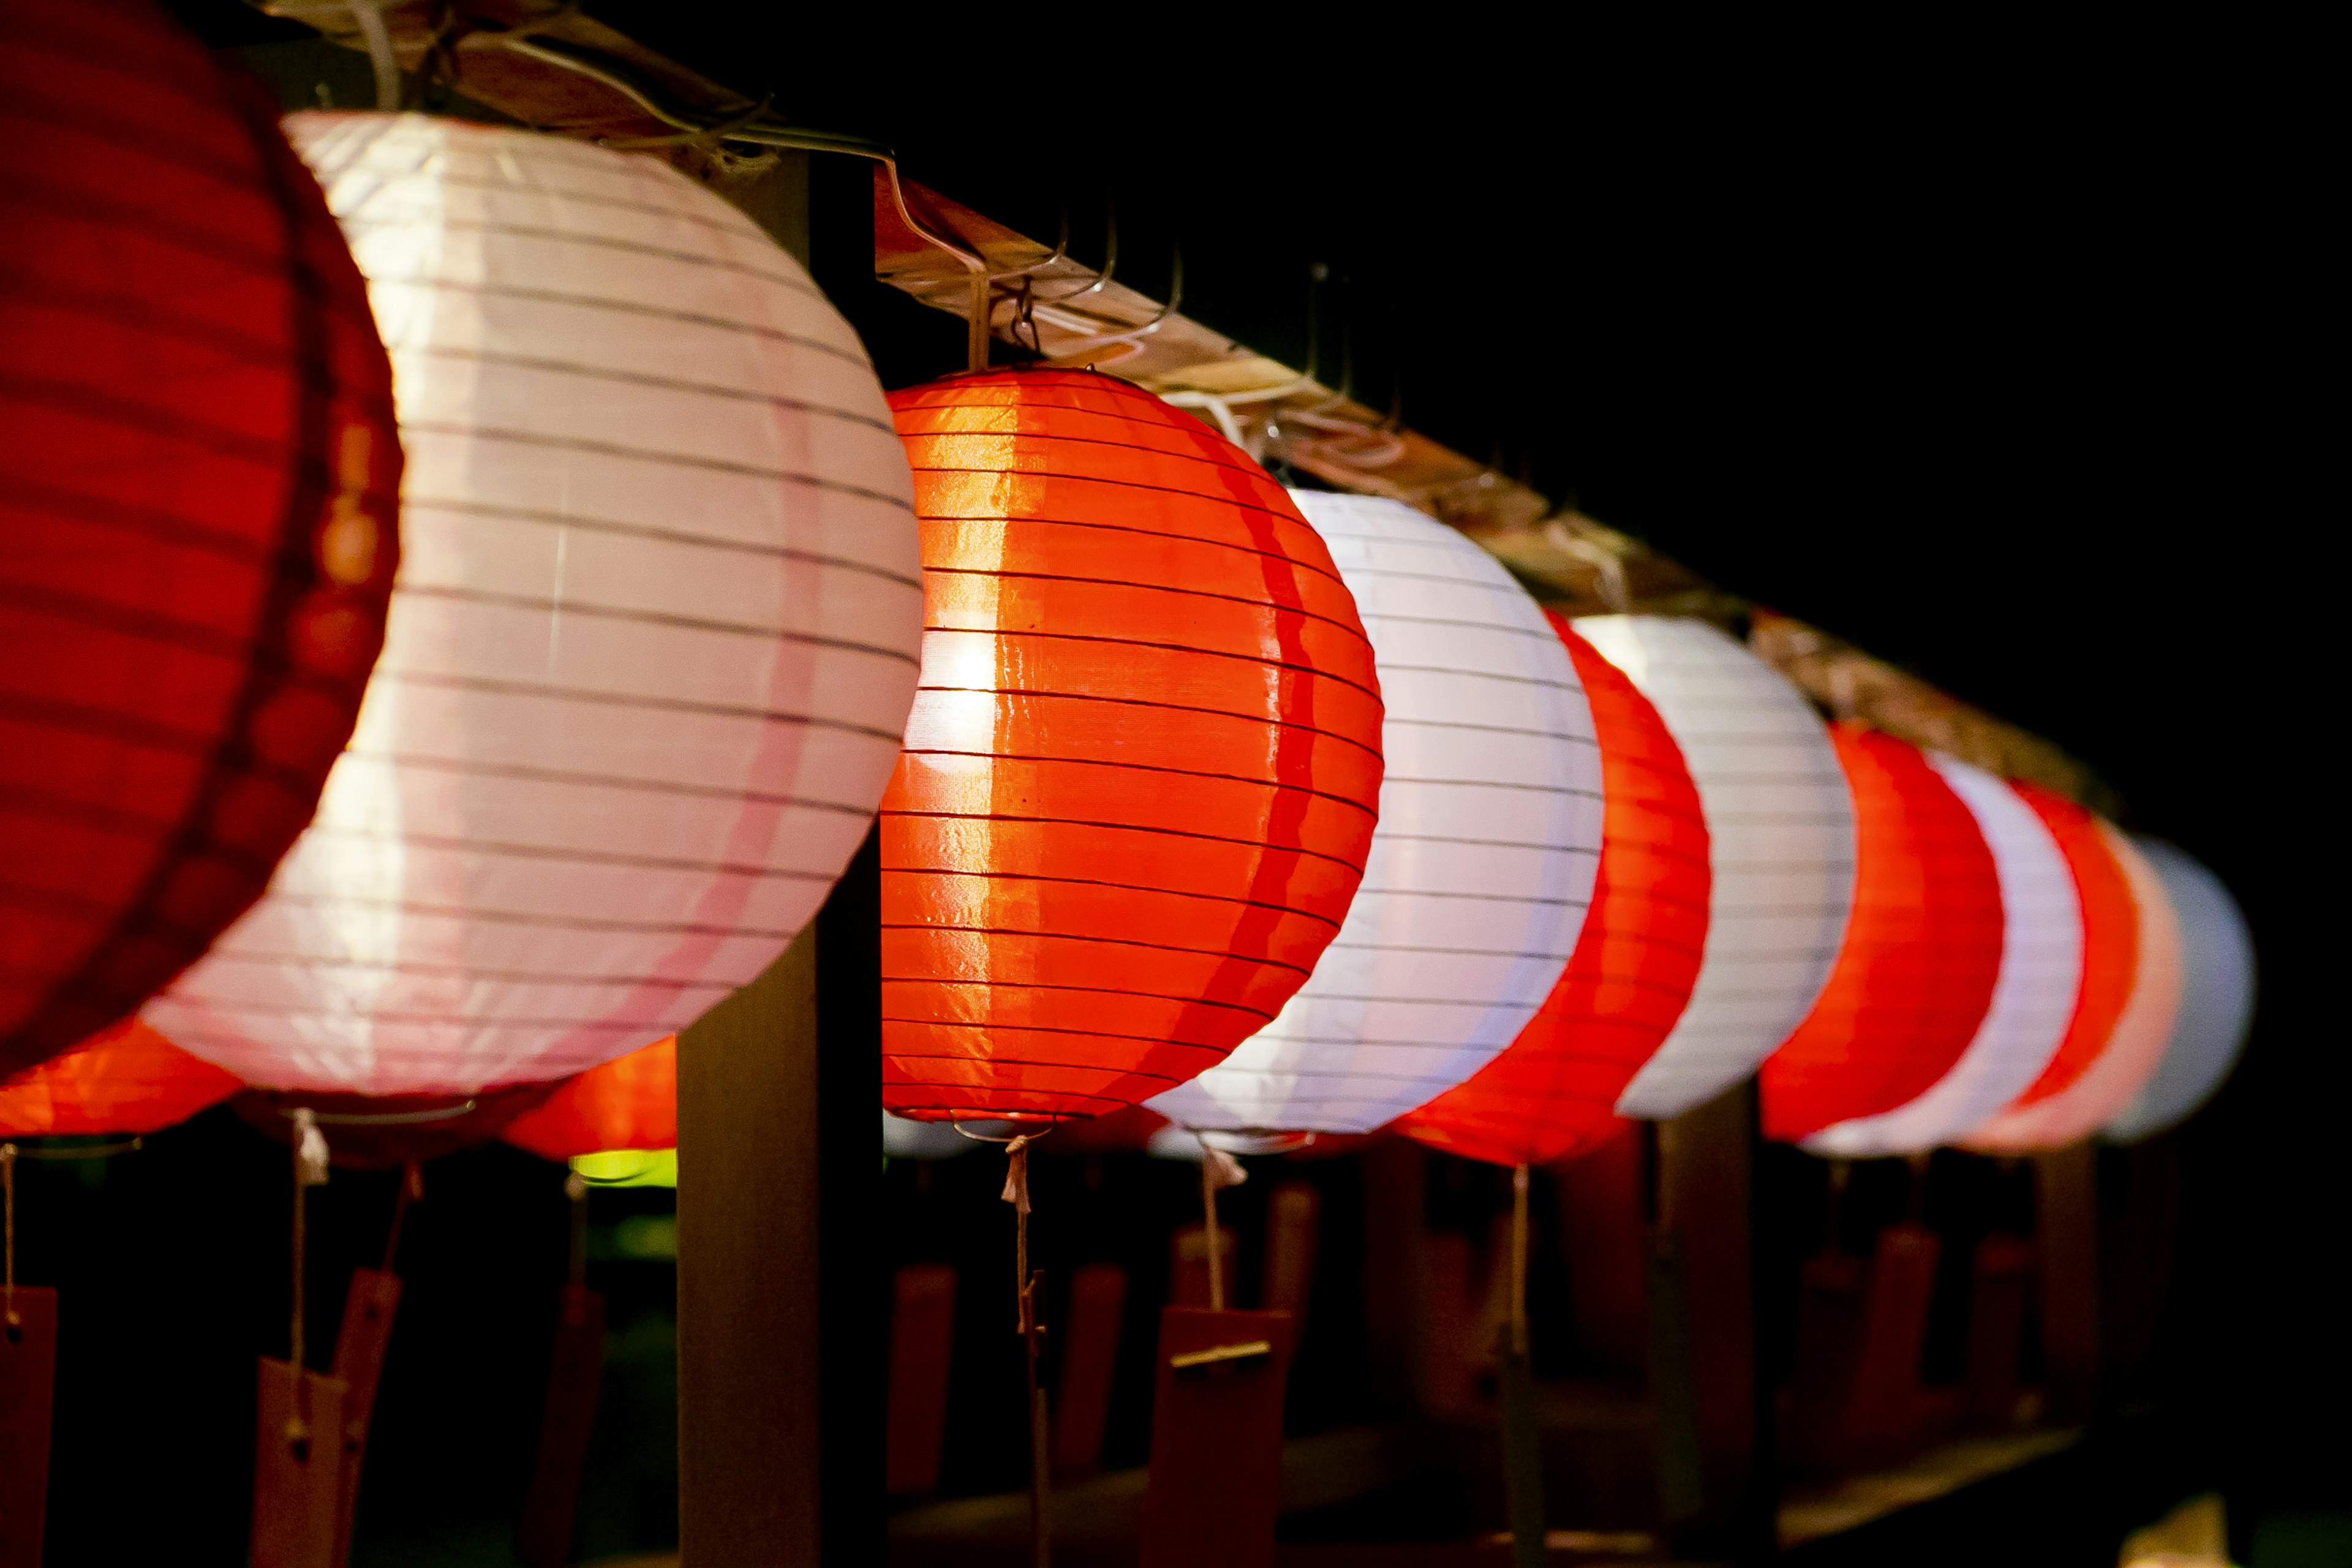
297,1466
360,1347
1215,1484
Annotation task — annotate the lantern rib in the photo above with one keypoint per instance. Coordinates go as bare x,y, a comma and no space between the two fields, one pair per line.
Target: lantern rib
1141,768
252,260
662,535
727,221
219,439
1274,604
605,699
1125,828
1096,941
623,307
1187,999
621,781
492,916
551,852
356,226
412,966
650,617
121,309
1293,562
1288,726
153,522
1117,886
1029,442
668,384
1000,1059
1263,663
644,455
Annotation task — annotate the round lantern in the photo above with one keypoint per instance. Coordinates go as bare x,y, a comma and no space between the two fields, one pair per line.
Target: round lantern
1141,777
197,466
2216,997
1554,1092
651,649
1780,840
127,1079
2033,999
1481,866
1922,951
629,1102
2125,1056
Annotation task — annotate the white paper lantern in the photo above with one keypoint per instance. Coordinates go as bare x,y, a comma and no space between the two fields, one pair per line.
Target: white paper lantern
1780,820
2134,1047
2033,999
1481,868
2216,997
652,646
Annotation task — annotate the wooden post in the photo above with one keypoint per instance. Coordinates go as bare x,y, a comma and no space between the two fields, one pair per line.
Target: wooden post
780,1316
1705,1197
1089,1364
2066,1217
1188,1263
370,1307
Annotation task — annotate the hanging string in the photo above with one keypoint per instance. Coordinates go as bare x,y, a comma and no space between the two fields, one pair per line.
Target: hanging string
8,1186
309,1170
1218,1169
1033,1331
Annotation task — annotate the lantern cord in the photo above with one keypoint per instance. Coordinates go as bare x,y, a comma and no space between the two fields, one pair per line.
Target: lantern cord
1030,1291
309,1170
1519,1259
8,1187
411,1187
369,16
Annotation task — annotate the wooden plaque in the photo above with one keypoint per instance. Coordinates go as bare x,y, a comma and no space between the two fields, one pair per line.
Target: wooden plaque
1883,1405
1215,1484
922,1344
1089,1360
1294,1216
553,1504
297,1466
360,1345
1998,1293
29,1372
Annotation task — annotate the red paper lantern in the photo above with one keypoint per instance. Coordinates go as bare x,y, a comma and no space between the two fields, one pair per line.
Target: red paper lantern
2110,939
127,1079
197,474
1921,953
1553,1091
1141,772
629,1102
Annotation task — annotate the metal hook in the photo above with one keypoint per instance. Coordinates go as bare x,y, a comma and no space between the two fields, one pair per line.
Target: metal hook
1129,334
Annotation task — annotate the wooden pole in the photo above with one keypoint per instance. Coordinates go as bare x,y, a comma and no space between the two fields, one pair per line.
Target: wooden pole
1522,1435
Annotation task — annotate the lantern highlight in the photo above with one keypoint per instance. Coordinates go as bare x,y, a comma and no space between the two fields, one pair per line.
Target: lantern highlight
2032,1000
1481,866
1553,1093
197,467
2216,997
126,1080
652,646
1922,951
2129,1052
1781,841
1141,773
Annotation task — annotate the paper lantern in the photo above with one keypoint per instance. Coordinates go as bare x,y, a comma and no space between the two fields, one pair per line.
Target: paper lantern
126,1080
1481,866
629,1102
2216,997
1140,778
651,649
1554,1092
2127,1053
1780,838
2034,1000
1922,951
197,466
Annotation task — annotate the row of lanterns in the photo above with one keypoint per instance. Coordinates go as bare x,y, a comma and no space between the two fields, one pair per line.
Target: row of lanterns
1282,813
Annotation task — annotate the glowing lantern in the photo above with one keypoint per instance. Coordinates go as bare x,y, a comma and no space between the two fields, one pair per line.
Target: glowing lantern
1922,950
2216,997
651,649
2033,1001
127,1081
1781,839
1482,864
1555,1089
629,1102
197,466
1141,777
2124,1055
